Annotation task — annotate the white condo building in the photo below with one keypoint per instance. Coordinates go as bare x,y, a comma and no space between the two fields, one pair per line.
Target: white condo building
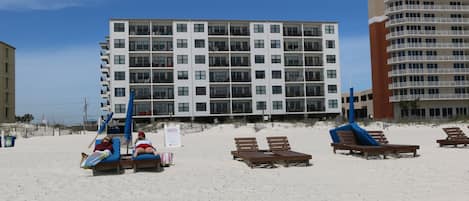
215,68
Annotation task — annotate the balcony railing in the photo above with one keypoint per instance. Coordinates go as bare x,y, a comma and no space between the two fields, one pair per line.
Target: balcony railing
163,46
432,8
292,62
295,93
401,59
217,30
239,31
162,30
453,96
426,20
143,64
312,32
427,46
241,48
428,71
217,47
397,85
444,33
219,95
314,92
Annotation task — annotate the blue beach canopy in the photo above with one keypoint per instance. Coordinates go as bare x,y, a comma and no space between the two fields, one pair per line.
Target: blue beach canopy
105,122
128,120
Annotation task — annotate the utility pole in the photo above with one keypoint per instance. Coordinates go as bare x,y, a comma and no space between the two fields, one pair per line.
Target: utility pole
85,116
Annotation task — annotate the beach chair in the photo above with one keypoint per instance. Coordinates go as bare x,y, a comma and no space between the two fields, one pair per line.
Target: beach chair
393,148
281,146
349,143
113,161
248,151
147,161
455,137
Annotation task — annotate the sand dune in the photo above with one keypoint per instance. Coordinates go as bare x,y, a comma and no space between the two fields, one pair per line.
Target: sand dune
47,168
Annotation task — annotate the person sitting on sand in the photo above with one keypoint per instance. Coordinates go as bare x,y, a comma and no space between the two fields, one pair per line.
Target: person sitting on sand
100,152
143,145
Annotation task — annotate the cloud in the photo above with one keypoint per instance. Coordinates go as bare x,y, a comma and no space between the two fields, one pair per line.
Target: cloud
55,81
355,62
42,4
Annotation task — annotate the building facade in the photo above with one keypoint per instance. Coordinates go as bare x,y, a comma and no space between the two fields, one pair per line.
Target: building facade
7,83
362,103
207,68
420,58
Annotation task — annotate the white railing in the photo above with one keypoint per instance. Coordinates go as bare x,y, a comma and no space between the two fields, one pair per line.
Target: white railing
426,20
427,46
427,8
429,71
429,84
427,32
426,58
398,98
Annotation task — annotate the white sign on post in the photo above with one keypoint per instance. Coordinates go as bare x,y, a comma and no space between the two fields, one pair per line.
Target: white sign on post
172,136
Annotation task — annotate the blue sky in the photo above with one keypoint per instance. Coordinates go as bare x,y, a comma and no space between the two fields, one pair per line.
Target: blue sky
57,55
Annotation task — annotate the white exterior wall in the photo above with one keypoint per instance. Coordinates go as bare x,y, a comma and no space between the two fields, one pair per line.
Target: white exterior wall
336,66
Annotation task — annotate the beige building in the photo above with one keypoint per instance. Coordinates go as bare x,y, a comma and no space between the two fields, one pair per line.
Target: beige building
7,83
362,102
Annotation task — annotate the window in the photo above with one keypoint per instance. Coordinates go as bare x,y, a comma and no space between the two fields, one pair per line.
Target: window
275,44
260,89
274,28
333,103
260,74
199,59
259,59
331,74
183,107
183,91
119,108
277,105
181,27
330,59
276,74
119,92
200,75
6,67
260,105
329,29
183,75
330,44
258,43
119,43
182,59
119,27
199,43
258,28
200,91
201,107
181,43
332,88
276,89
276,59
198,27
119,59
119,75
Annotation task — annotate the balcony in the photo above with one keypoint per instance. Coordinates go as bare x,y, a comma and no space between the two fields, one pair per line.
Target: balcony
105,81
142,93
240,76
314,76
430,8
219,76
292,46
396,47
313,46
219,61
142,109
217,30
162,46
139,46
139,77
219,107
312,31
426,84
314,90
315,106
219,92
164,30
294,91
241,92
162,61
238,46
295,105
242,107
217,46
423,20
239,30
443,33
163,108
313,61
403,59
240,61
427,71
163,93
139,29
163,77
292,30
421,97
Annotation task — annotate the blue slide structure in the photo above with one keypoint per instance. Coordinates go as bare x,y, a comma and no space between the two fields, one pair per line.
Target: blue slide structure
362,135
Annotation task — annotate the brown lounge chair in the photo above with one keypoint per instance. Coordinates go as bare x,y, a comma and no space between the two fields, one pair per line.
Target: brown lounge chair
455,136
348,142
394,148
281,147
248,150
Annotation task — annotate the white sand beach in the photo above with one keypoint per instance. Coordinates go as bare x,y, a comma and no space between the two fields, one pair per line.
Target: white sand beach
47,168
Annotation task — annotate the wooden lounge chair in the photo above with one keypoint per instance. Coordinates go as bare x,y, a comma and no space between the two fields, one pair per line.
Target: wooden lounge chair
394,148
248,150
455,137
147,161
348,142
281,147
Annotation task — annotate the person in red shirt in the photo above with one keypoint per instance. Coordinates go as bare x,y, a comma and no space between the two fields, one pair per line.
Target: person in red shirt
143,145
101,150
